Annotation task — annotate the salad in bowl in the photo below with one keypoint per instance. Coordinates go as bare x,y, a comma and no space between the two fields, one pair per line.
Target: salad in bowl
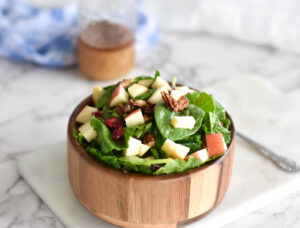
150,126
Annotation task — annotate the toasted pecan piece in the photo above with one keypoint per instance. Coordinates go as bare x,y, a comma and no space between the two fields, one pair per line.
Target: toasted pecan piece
138,103
149,139
179,105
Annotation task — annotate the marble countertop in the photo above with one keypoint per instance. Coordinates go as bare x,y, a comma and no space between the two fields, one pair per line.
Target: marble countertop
36,102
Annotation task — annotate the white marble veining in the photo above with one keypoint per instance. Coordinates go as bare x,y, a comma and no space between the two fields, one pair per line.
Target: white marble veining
35,104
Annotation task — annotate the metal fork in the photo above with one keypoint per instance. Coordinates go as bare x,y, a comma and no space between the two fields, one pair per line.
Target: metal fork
286,164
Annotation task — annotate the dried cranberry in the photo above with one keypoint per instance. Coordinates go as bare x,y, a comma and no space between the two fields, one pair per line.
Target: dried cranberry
155,167
97,113
149,109
171,85
114,122
117,133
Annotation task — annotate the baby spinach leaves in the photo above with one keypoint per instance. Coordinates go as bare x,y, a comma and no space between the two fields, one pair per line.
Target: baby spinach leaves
211,124
163,117
215,120
194,142
202,100
104,100
145,96
137,131
104,136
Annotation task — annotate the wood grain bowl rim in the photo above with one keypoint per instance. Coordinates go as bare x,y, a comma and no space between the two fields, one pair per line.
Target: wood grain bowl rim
85,155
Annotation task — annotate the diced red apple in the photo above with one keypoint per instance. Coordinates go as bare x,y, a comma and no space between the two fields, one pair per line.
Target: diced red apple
136,90
144,148
159,82
200,155
126,82
134,147
85,114
146,82
215,144
156,96
174,150
97,93
186,122
119,96
135,118
87,131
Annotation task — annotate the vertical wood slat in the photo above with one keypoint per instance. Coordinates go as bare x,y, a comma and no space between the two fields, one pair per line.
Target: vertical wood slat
203,191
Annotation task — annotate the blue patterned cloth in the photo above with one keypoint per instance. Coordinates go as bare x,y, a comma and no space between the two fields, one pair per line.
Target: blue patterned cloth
48,36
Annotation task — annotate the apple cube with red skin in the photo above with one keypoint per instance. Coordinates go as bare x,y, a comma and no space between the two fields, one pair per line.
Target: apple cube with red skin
85,114
215,144
136,90
119,96
135,118
200,155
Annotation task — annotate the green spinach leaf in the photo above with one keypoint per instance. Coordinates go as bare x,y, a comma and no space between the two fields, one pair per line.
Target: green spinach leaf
202,100
163,117
212,124
104,136
221,114
104,100
137,131
145,96
157,74
194,142
77,135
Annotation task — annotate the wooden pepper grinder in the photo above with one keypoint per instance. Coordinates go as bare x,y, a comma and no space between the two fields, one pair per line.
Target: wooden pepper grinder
106,40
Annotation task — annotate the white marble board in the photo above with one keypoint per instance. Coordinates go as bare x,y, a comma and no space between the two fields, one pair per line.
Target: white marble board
258,110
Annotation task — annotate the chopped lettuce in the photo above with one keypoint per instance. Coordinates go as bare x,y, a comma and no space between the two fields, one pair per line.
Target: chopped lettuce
178,166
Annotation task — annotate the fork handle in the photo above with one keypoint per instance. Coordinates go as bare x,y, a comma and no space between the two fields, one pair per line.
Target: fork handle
282,162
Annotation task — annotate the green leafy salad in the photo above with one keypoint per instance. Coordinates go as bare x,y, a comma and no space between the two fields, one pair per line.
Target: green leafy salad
147,125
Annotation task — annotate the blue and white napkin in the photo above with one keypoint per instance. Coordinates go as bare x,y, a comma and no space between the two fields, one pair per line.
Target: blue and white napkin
48,36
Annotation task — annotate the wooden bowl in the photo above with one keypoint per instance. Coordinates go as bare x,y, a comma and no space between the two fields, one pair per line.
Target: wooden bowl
137,200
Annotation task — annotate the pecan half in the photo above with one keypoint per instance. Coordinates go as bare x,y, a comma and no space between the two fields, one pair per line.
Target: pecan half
124,108
149,139
147,117
120,109
183,102
179,105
